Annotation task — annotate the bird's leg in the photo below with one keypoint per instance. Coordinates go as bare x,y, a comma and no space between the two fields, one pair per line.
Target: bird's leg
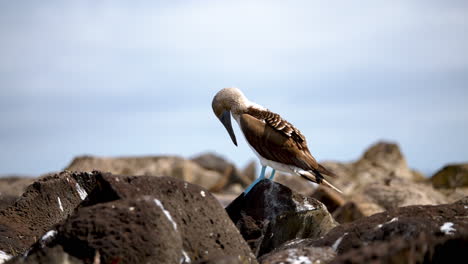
262,175
272,175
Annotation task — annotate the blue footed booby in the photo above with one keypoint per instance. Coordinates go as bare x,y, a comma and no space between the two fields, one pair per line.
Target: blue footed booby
275,141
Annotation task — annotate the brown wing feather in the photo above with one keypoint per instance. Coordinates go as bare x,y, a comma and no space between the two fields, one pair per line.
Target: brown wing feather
276,139
276,122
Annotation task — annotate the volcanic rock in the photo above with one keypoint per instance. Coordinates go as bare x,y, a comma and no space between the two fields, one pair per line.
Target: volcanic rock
271,214
135,219
401,225
55,255
46,202
299,255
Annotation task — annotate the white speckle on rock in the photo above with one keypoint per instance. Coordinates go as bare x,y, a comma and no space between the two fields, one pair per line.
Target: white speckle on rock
4,256
203,193
337,242
295,258
48,235
185,185
60,204
303,206
131,208
447,228
117,179
466,206
166,212
81,192
185,257
394,219
294,242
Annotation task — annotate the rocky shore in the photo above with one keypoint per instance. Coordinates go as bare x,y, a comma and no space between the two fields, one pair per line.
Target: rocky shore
168,209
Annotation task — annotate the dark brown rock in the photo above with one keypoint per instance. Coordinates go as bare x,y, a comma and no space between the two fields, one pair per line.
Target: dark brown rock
203,224
423,248
124,219
46,202
299,255
123,231
405,222
54,255
226,260
271,214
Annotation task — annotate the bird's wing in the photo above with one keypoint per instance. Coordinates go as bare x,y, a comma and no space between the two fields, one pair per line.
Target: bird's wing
276,139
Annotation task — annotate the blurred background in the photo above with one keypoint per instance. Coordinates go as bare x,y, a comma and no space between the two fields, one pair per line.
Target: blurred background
124,78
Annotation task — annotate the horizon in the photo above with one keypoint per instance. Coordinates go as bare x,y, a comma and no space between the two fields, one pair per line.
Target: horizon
112,78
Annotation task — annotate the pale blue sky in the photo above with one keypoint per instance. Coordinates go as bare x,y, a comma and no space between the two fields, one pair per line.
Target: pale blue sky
117,78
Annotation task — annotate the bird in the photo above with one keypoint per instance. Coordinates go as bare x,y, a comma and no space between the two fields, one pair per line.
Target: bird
275,141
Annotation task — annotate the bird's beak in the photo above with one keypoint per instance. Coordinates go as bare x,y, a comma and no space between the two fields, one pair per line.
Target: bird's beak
225,118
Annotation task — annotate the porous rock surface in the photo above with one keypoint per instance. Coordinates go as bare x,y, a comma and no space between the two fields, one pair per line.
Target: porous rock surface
272,214
412,234
46,202
127,219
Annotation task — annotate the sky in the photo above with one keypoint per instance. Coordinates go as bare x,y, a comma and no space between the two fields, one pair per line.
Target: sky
134,78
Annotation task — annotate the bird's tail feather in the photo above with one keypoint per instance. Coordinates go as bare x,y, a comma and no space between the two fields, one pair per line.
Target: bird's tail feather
313,178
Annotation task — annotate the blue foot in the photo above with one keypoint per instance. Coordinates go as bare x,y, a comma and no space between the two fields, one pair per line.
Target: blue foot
272,175
261,177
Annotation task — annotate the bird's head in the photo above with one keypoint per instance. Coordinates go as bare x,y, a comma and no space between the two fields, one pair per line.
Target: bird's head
226,101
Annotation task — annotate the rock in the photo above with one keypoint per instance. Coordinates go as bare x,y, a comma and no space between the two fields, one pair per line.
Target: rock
123,231
330,198
383,161
229,171
405,222
14,185
11,188
226,260
126,219
313,255
176,167
46,202
296,183
412,234
271,214
137,219
348,213
377,197
250,171
451,176
421,249
55,255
